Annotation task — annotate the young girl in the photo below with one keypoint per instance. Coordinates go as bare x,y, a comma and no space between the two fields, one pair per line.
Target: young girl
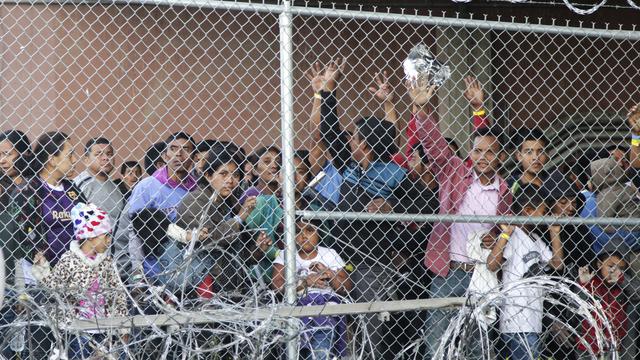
85,277
321,277
606,287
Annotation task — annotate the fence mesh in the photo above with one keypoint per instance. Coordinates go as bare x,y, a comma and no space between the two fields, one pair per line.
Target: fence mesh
142,185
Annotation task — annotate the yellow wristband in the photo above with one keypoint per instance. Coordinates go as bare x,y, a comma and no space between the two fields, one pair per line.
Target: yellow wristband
317,96
480,112
635,142
505,236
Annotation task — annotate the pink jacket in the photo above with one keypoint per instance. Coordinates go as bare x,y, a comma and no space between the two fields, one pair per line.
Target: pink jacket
454,177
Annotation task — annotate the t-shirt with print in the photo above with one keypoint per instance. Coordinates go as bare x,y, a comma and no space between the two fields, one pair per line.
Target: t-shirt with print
523,310
56,219
327,257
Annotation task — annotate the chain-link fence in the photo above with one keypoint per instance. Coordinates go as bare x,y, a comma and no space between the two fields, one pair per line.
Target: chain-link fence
161,160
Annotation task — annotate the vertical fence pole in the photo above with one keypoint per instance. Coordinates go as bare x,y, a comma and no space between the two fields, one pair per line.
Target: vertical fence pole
286,96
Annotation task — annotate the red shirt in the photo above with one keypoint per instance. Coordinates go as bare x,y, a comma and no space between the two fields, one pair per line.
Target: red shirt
610,297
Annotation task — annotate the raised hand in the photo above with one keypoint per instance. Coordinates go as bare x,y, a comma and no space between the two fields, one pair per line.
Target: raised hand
633,118
420,94
383,92
333,73
584,275
316,78
473,92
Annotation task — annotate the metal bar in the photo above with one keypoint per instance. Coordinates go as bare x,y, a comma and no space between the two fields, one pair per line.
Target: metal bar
286,103
379,17
514,220
262,314
400,18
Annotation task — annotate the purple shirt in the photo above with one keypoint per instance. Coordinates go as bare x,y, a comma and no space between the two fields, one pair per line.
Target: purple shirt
57,226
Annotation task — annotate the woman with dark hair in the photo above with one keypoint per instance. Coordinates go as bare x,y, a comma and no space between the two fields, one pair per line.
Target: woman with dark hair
265,173
47,212
206,209
15,155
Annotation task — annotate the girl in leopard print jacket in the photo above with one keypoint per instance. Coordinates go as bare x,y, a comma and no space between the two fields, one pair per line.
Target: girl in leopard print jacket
85,275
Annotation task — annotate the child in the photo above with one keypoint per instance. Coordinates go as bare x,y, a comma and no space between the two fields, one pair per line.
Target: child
85,276
516,251
605,286
321,277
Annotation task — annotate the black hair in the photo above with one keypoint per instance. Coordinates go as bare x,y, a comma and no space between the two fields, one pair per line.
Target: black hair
217,157
533,134
48,144
315,222
152,156
180,136
207,145
488,131
529,195
603,255
22,145
303,155
95,141
420,149
129,165
379,136
263,150
452,142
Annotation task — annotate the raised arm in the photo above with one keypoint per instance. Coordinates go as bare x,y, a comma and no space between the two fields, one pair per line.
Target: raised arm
428,132
383,92
334,138
633,117
475,95
317,151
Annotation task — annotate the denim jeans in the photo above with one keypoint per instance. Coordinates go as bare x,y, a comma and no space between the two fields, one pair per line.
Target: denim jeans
178,272
320,343
522,346
454,285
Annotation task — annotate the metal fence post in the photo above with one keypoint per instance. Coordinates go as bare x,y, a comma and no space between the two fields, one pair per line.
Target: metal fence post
286,91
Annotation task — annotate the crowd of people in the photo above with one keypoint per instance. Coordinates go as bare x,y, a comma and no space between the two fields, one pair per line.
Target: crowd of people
208,219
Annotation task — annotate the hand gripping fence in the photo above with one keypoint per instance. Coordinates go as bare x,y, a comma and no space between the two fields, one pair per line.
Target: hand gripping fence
266,180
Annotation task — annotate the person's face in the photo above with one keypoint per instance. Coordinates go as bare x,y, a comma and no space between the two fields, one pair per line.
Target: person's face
248,172
199,160
307,237
358,147
225,179
268,167
564,207
99,159
301,174
540,210
64,162
532,156
8,157
484,155
101,243
132,176
179,155
611,269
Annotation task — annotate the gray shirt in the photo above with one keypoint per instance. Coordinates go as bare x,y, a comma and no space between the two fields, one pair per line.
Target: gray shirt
105,195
